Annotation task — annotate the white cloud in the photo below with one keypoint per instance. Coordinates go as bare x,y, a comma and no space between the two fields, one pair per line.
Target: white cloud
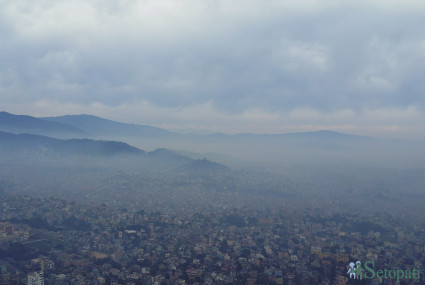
288,64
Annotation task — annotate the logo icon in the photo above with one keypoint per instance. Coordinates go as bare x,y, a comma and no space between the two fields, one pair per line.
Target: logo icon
355,270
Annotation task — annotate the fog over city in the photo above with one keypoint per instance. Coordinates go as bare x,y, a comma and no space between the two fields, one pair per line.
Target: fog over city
212,142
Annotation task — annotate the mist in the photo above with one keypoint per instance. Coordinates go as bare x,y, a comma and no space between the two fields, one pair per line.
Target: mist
125,164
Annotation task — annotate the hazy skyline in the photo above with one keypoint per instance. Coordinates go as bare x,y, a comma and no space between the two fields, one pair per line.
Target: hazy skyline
219,66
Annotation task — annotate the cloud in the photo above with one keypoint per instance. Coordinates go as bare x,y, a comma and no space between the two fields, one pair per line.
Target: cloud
276,57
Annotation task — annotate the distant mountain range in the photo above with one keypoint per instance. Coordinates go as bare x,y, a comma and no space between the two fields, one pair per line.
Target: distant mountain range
36,144
223,148
35,149
75,135
27,124
39,147
96,126
77,126
89,126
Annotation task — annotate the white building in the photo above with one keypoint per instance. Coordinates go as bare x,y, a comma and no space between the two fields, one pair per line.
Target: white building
36,278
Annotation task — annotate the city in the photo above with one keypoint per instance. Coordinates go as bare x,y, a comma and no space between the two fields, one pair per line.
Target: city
62,242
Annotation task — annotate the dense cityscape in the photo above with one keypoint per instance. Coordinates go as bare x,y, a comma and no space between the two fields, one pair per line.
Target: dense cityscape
53,241
164,142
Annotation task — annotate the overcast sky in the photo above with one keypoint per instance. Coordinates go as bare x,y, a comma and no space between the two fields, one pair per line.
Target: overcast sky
220,66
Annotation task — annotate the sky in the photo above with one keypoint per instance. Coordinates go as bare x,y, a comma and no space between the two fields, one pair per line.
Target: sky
220,66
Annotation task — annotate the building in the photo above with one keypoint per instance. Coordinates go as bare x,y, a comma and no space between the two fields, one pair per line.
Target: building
36,278
5,278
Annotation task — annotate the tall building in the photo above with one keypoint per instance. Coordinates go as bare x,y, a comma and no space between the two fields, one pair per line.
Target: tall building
36,278
43,263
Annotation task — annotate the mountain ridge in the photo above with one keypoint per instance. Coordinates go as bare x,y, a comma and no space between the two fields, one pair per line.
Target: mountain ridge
86,124
98,126
36,144
29,124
